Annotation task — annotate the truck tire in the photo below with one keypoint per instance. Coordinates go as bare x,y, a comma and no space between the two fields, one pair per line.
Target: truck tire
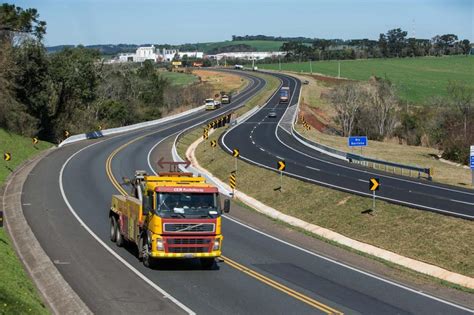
119,237
113,229
207,263
147,260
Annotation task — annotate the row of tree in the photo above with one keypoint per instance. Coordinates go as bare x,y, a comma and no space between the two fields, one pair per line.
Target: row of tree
373,109
45,94
394,43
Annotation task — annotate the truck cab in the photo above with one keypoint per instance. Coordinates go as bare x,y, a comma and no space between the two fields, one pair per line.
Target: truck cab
225,99
284,94
212,104
172,215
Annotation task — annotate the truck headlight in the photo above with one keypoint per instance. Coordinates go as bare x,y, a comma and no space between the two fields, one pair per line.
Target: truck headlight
159,244
217,245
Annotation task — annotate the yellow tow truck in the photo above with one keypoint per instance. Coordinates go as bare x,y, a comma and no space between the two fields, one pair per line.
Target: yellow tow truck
172,215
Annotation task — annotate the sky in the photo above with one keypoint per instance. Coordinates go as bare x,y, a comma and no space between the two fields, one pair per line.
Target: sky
189,21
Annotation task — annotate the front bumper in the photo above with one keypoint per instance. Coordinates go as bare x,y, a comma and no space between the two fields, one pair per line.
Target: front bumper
159,254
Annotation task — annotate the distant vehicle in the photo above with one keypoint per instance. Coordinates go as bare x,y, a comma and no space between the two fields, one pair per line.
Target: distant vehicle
305,82
212,104
255,68
240,67
284,94
225,99
272,114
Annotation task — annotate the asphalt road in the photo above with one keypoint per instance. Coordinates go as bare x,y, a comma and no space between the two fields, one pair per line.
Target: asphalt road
262,140
66,200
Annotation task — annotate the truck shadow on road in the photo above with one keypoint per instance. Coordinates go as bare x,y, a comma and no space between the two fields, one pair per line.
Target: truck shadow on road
172,264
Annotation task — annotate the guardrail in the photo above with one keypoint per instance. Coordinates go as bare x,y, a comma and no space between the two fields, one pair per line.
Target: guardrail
386,165
111,131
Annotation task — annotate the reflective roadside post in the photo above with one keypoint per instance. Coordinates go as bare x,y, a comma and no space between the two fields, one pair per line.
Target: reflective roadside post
236,154
374,185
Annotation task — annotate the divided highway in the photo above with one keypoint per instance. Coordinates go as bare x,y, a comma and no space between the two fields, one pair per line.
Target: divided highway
264,140
66,200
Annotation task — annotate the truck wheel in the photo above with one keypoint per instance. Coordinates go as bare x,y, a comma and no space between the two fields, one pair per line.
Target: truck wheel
147,260
207,263
119,237
113,229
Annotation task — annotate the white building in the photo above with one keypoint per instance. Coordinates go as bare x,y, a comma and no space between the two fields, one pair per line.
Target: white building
191,54
168,54
146,53
155,55
251,55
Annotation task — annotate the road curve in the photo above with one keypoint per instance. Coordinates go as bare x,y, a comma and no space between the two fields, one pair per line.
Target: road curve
66,200
263,141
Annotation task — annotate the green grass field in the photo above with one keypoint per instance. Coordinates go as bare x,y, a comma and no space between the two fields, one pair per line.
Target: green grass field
259,45
417,79
17,293
179,79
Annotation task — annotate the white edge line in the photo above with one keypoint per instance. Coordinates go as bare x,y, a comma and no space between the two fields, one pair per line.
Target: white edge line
381,174
349,267
456,214
334,261
111,251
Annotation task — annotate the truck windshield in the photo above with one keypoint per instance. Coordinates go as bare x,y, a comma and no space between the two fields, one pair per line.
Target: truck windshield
283,93
187,203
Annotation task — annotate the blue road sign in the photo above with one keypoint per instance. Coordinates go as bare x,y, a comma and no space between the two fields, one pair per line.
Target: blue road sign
472,162
357,141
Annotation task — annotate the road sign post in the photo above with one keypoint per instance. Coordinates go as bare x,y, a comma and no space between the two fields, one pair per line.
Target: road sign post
357,141
281,165
374,184
235,154
1,218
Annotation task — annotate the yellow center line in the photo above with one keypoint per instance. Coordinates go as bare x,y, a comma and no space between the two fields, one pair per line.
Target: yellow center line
274,284
304,298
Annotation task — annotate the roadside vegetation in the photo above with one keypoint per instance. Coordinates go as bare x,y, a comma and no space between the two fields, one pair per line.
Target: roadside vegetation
73,89
373,109
436,239
18,294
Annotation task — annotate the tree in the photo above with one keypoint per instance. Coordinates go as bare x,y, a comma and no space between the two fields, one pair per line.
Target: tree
383,46
465,46
382,100
346,100
396,41
15,21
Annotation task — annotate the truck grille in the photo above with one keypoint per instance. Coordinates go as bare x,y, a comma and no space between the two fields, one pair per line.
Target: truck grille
188,249
188,241
189,227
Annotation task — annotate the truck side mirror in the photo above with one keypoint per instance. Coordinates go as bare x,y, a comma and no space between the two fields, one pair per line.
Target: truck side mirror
147,204
226,205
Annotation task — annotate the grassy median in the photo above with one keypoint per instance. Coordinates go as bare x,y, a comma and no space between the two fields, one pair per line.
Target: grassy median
18,294
436,239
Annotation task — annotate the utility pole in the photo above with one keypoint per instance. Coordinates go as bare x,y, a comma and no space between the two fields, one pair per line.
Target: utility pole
338,69
310,66
253,63
279,63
